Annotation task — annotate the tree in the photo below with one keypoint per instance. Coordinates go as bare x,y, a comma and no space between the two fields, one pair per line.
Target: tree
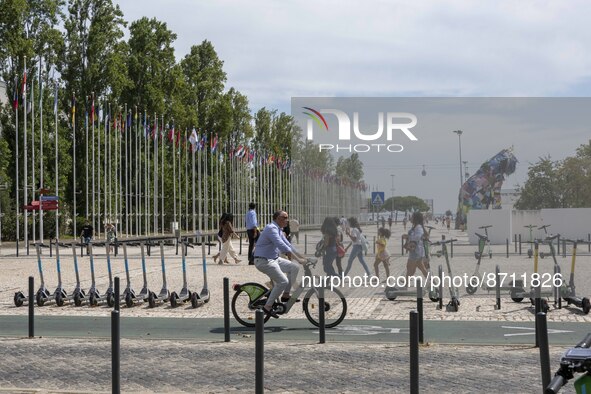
350,168
408,203
542,188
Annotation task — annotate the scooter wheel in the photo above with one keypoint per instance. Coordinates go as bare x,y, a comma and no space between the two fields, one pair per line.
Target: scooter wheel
471,289
586,305
92,301
78,299
545,306
476,255
152,299
454,304
195,300
59,301
542,255
110,299
173,298
40,297
19,299
490,255
128,300
530,253
434,295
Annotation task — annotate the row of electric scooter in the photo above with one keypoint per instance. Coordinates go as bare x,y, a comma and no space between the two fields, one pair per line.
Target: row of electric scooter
560,290
129,296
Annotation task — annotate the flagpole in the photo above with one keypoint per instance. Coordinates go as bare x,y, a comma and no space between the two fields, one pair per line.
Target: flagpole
155,159
40,148
126,177
16,168
105,157
136,188
187,184
26,175
174,172
119,173
89,197
110,163
162,174
97,140
74,160
57,227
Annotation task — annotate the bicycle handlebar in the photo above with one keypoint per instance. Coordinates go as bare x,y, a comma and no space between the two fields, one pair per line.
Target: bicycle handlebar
487,226
555,384
444,242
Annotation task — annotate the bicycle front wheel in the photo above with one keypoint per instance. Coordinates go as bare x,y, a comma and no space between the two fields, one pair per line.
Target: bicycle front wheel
243,308
335,307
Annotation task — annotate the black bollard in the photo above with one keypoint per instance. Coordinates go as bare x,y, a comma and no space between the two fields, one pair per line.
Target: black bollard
564,248
115,352
117,293
542,328
414,352
538,309
51,247
420,310
507,247
558,245
515,242
305,243
402,246
31,307
321,322
226,310
208,245
440,305
17,246
520,244
240,251
259,351
451,249
28,243
498,287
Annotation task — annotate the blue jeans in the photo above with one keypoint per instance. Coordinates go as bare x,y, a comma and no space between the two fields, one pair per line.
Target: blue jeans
357,251
329,256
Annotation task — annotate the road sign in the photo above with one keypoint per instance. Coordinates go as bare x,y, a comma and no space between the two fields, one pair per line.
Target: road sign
49,198
377,198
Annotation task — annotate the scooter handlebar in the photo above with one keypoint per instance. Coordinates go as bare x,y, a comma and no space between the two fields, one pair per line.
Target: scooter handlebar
481,236
555,384
586,343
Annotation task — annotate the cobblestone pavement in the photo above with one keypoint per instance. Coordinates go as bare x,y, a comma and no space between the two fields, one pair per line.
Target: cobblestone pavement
72,365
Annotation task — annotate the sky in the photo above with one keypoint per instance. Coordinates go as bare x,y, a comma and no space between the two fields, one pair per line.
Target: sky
276,50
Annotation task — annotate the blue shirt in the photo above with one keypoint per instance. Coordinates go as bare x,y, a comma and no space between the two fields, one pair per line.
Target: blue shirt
251,219
271,242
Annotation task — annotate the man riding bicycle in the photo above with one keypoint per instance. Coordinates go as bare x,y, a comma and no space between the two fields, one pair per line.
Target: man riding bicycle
281,271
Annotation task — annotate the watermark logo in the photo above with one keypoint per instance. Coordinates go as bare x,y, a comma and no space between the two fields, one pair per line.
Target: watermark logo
397,124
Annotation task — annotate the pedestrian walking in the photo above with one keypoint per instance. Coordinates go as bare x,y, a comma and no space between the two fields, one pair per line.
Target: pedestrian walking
252,230
357,251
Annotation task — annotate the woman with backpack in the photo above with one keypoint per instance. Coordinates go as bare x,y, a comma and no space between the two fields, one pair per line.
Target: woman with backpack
358,244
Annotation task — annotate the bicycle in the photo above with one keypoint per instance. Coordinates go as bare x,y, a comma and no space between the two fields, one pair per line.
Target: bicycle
574,360
251,296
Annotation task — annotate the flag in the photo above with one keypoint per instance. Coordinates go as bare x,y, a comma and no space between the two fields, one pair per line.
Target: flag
24,85
193,139
55,100
171,134
178,138
129,120
73,109
92,110
15,95
214,143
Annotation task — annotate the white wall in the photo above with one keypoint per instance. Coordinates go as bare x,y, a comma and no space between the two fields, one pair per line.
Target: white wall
500,219
568,222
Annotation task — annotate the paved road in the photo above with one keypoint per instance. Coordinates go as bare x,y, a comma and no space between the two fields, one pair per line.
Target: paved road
378,331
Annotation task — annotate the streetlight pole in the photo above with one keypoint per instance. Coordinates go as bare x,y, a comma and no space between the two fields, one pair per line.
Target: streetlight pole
459,133
392,199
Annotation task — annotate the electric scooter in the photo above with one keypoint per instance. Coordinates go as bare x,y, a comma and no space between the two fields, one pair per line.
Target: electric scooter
19,296
454,303
567,291
130,296
482,242
185,294
164,295
61,297
519,292
204,294
109,295
475,278
93,291
530,251
43,295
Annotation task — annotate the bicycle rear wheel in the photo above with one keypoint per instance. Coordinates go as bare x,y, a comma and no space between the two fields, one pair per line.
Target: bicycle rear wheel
335,307
243,308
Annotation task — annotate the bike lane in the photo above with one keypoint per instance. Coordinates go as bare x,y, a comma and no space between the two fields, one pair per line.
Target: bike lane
376,331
